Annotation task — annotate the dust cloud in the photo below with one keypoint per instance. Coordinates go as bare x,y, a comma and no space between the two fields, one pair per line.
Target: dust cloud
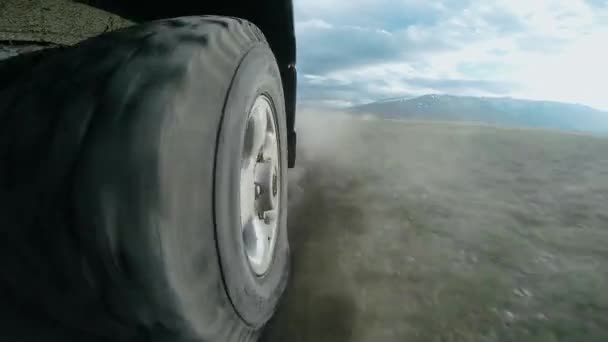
322,138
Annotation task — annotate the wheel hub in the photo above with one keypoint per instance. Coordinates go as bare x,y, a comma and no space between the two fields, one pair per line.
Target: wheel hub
259,188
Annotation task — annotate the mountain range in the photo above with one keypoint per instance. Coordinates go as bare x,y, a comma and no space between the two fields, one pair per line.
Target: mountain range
490,110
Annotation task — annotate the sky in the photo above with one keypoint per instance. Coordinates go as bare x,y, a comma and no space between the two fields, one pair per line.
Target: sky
358,51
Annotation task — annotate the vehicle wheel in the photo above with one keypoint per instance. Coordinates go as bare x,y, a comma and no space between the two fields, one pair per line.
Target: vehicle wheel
144,180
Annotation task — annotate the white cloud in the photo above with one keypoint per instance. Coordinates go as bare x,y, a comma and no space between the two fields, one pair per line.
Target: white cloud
313,24
577,74
545,49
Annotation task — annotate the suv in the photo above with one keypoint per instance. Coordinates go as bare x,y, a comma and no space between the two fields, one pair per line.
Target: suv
144,149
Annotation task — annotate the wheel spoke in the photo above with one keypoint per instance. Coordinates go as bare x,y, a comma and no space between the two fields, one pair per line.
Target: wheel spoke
270,217
255,135
265,227
270,147
247,195
260,124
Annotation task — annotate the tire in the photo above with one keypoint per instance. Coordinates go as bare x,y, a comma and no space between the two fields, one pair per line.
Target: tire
121,160
12,67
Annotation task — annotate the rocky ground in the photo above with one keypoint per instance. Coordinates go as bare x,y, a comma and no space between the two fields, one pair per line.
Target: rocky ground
63,22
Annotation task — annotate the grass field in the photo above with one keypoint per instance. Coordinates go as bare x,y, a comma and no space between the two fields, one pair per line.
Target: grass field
412,231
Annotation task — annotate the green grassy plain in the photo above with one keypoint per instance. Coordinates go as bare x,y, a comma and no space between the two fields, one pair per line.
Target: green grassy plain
413,231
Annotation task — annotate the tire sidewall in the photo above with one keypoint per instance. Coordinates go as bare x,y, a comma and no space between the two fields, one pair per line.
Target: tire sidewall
253,297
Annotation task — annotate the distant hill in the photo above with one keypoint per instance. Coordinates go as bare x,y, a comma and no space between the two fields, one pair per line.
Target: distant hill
500,111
